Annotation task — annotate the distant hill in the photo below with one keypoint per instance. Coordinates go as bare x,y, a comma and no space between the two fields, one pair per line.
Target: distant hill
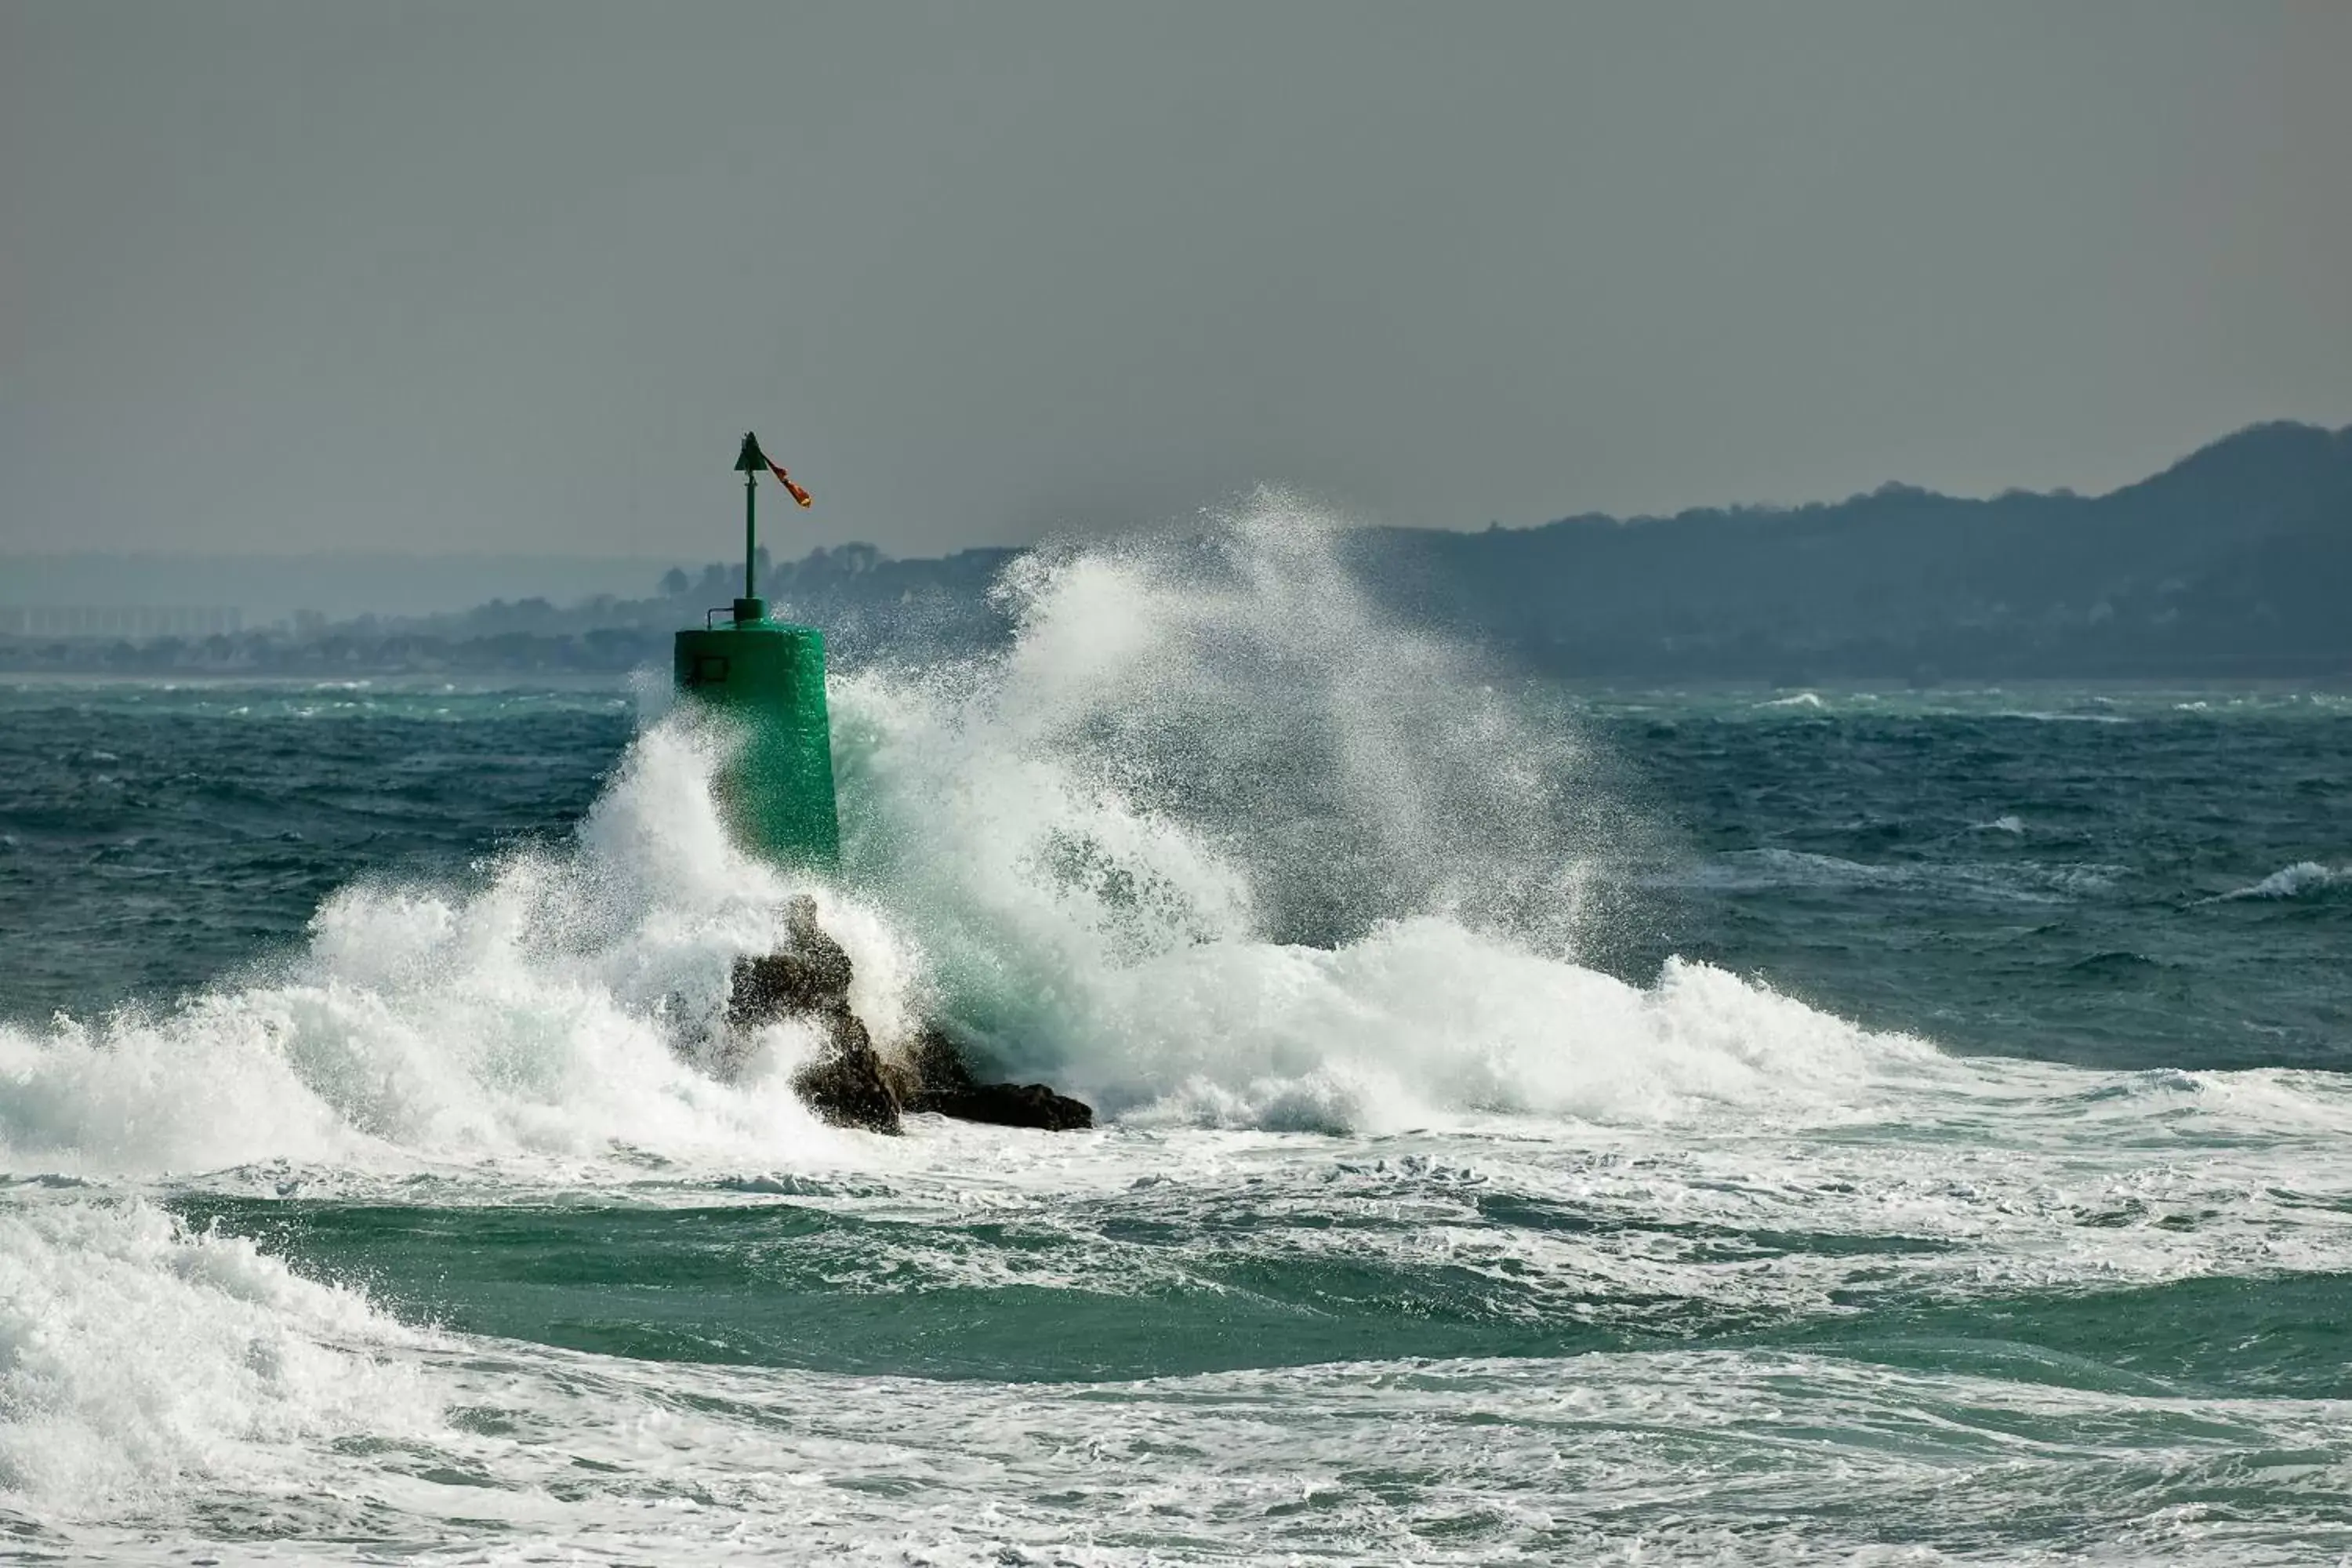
2234,563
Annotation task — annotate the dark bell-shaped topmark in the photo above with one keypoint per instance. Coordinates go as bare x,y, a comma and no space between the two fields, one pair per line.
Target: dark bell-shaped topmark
751,460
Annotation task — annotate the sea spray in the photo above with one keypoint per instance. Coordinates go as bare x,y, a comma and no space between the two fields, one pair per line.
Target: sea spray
1205,741
1210,840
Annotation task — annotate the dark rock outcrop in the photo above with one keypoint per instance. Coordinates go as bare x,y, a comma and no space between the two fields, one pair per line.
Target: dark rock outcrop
943,1084
846,1086
810,979
849,1084
812,975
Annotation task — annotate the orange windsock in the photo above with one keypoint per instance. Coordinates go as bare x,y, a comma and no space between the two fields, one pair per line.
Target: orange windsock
785,479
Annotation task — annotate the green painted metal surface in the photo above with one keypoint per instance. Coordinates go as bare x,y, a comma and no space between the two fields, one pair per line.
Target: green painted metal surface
768,678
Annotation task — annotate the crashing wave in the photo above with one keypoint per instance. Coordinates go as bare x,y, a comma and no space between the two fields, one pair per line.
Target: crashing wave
1213,841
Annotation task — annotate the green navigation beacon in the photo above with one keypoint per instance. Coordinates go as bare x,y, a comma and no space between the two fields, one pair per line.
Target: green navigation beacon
767,676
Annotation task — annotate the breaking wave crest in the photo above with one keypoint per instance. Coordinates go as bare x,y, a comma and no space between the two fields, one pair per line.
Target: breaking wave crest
137,1358
2301,879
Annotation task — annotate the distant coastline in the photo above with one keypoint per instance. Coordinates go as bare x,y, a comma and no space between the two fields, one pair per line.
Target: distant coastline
2234,564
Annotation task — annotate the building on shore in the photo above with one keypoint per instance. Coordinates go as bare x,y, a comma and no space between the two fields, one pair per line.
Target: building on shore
130,623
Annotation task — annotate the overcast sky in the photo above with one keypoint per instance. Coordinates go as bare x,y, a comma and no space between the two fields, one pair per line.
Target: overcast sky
515,277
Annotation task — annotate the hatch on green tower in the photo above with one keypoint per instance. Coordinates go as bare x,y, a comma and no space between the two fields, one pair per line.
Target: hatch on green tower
767,678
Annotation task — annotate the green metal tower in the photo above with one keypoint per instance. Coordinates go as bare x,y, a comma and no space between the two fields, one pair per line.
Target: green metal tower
768,677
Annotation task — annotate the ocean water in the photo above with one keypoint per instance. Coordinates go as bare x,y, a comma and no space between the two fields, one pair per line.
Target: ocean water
1537,1124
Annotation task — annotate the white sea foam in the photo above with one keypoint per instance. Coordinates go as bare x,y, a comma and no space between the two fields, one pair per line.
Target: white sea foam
2291,881
137,1360
1715,1456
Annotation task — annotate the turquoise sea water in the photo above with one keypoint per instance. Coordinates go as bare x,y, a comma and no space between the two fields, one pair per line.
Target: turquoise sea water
1539,1124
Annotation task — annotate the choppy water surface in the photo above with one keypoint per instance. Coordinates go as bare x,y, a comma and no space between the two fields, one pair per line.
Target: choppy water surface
1539,1124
